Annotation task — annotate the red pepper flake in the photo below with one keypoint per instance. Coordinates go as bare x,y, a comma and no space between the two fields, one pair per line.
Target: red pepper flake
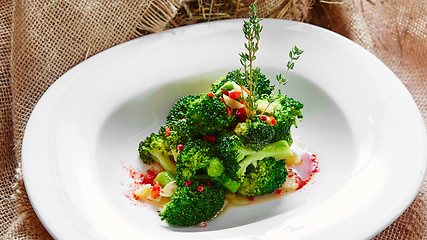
272,121
241,114
245,89
200,188
187,183
233,94
180,147
279,191
228,111
211,95
263,118
251,198
149,178
203,224
155,190
208,183
167,132
210,138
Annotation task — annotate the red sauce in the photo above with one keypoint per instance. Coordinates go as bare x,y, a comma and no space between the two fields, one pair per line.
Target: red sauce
305,170
138,180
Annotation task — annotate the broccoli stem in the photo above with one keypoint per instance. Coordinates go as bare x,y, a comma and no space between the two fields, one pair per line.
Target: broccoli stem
222,180
165,177
164,161
278,150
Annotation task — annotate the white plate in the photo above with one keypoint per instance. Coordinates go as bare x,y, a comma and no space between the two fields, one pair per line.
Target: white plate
358,117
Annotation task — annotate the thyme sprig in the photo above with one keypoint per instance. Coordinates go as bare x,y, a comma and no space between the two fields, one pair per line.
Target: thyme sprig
294,55
251,30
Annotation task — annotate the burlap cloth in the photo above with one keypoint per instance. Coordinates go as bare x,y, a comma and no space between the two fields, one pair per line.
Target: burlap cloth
41,40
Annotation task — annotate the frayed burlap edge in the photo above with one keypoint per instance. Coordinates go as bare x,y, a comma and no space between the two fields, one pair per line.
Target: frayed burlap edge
27,225
30,77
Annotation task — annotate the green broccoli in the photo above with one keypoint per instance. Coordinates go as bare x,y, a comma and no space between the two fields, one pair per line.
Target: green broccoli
192,204
255,134
180,108
262,86
176,128
237,157
197,157
175,133
286,111
154,148
208,115
266,177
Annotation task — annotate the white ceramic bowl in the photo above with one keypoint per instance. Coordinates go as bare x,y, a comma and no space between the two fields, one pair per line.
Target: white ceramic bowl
358,117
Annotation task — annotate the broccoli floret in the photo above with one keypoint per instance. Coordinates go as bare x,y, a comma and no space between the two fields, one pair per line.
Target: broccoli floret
192,204
179,110
176,128
198,161
221,84
255,134
286,111
154,148
175,133
262,86
266,177
208,115
237,157
197,157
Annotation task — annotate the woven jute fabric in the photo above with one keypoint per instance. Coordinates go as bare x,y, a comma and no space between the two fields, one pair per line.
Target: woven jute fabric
41,40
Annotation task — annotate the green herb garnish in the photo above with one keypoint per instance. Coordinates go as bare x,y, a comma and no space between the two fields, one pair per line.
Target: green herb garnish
252,30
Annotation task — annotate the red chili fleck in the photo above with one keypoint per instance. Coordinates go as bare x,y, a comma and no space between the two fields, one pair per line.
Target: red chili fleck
149,177
228,111
180,147
263,117
272,121
187,183
168,131
240,113
211,95
200,188
208,183
233,94
210,138
155,190
251,198
203,224
316,169
279,191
